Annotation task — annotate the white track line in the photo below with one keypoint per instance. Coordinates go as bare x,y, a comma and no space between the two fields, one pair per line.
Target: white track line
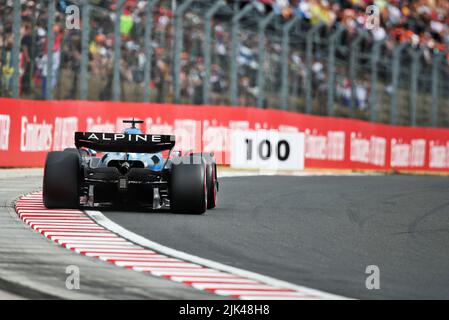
110,225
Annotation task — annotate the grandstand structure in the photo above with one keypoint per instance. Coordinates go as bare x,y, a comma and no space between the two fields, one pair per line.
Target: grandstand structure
316,57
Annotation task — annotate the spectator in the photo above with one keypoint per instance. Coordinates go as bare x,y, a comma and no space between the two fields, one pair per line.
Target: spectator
423,23
56,61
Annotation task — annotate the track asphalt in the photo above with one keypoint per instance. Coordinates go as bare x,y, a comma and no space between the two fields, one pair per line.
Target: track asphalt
321,232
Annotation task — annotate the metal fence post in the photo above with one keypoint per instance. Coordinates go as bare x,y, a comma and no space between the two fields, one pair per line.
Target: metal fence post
116,94
261,72
83,83
206,48
148,50
234,50
178,47
375,54
16,48
416,55
353,62
435,85
309,62
331,68
50,46
396,69
285,85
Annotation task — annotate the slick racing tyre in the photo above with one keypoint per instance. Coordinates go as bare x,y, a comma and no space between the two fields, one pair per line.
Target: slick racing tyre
81,152
188,190
72,150
211,182
211,178
62,180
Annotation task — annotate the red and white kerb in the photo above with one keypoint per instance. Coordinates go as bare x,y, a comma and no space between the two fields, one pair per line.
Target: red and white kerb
76,231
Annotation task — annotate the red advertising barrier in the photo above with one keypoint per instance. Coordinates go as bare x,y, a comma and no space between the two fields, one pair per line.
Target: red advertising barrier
29,129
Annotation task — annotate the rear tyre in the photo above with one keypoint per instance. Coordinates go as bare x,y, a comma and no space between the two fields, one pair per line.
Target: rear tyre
188,189
62,180
211,181
81,152
71,150
211,178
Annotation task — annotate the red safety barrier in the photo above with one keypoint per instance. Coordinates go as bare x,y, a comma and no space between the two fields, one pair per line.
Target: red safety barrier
29,129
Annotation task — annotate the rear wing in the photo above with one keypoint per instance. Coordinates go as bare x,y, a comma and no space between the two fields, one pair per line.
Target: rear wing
122,142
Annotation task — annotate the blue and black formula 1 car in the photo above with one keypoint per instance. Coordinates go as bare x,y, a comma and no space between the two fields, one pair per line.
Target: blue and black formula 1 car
136,170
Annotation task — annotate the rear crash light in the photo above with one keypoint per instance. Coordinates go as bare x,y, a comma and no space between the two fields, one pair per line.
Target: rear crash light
123,184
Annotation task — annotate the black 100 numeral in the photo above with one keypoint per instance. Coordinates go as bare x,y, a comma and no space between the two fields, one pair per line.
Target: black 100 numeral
264,150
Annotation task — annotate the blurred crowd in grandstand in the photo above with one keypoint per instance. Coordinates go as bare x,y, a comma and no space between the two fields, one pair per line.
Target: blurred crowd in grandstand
424,23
